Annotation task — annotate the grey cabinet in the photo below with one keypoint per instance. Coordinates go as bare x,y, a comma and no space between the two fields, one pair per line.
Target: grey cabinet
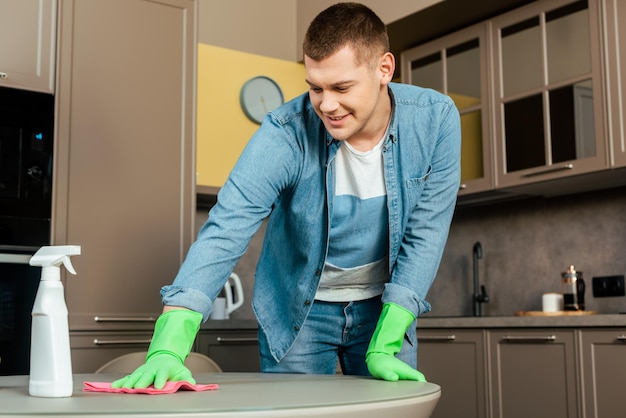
615,60
455,360
541,91
235,350
27,44
603,371
549,113
124,180
525,372
90,350
457,65
533,373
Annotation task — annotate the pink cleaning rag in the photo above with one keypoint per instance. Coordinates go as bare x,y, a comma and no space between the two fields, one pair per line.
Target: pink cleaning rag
170,387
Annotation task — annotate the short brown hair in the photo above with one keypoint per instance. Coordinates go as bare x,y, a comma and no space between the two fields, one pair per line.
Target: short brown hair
344,24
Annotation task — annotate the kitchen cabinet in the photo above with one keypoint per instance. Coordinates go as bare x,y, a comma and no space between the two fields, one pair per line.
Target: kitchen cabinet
549,119
562,366
603,371
533,373
455,360
28,64
548,96
90,350
235,350
124,180
615,23
456,65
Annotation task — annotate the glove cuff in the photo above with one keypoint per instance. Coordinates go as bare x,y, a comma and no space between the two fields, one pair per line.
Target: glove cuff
174,333
392,324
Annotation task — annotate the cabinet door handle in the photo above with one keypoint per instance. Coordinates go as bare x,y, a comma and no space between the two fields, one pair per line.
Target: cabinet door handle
621,338
4,76
124,319
227,340
120,342
550,170
451,337
528,338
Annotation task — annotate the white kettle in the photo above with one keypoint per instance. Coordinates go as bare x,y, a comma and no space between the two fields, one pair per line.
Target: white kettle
223,306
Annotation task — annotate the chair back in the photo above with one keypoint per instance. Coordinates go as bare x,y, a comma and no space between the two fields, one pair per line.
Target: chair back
127,363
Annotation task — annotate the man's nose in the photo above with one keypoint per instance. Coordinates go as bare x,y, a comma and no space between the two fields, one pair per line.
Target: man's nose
329,103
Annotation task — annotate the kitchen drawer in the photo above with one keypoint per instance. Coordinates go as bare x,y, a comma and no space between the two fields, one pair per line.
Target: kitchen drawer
233,350
90,350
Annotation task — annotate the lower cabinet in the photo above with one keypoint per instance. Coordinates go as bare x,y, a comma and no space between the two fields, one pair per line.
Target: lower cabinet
533,373
232,350
525,372
455,360
90,350
603,372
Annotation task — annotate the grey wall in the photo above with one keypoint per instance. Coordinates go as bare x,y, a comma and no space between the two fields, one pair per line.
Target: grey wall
526,246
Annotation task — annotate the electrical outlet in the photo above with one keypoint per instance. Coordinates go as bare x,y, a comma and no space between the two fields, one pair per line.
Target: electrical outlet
608,286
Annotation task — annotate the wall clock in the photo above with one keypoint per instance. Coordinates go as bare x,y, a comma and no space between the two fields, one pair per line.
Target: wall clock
258,96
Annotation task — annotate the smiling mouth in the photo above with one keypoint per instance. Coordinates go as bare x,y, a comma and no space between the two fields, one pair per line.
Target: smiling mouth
336,118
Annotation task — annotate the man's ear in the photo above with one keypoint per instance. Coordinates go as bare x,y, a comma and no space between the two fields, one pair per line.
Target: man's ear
387,66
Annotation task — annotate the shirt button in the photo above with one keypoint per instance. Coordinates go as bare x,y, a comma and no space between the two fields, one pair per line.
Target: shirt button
318,272
307,302
297,328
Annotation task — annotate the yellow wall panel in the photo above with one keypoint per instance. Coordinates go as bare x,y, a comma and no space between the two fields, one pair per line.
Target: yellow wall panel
223,130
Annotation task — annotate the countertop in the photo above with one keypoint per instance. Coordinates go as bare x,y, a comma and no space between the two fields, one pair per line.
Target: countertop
426,321
582,321
239,395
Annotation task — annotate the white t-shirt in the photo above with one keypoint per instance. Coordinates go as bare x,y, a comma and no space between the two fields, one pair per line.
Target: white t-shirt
357,265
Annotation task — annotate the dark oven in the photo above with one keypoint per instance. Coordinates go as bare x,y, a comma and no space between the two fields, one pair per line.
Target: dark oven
26,153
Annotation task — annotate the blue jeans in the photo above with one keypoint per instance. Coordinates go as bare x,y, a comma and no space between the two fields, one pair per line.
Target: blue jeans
334,331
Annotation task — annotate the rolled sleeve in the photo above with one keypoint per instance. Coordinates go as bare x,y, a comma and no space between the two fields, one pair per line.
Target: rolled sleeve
187,298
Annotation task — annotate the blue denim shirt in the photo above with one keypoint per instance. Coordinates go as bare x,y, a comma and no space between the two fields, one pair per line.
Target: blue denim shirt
286,174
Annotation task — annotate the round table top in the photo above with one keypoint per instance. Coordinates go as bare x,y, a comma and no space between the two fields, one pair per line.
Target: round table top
239,395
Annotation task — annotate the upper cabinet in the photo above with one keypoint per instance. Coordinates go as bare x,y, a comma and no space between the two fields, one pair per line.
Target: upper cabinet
27,55
541,90
615,23
548,98
457,66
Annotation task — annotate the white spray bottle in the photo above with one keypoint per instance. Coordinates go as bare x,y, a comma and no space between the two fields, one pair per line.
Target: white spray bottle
50,358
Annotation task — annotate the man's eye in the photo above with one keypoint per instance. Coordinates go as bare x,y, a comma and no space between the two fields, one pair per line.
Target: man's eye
316,89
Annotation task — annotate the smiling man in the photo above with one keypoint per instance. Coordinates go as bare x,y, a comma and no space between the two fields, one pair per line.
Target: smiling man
358,181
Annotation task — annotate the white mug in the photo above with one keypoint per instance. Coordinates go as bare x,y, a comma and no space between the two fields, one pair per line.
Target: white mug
552,302
220,310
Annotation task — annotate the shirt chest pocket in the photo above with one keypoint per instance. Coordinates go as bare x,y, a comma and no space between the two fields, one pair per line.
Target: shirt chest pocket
415,187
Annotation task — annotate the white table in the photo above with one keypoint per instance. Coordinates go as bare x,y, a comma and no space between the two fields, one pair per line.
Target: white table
239,395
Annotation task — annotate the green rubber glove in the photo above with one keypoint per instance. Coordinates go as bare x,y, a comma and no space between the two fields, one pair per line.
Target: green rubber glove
174,334
386,343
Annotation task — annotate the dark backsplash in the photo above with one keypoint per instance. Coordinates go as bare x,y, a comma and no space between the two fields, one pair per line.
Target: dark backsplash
526,245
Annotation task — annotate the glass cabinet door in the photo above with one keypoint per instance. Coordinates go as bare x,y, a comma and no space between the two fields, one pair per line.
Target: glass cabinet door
456,65
547,69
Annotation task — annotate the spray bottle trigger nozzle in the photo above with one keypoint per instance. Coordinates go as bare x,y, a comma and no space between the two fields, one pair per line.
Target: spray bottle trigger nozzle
68,265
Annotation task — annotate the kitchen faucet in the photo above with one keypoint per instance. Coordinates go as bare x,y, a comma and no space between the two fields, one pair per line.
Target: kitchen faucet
479,296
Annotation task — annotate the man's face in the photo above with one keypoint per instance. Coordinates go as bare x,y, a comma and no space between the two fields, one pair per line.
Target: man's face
351,99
